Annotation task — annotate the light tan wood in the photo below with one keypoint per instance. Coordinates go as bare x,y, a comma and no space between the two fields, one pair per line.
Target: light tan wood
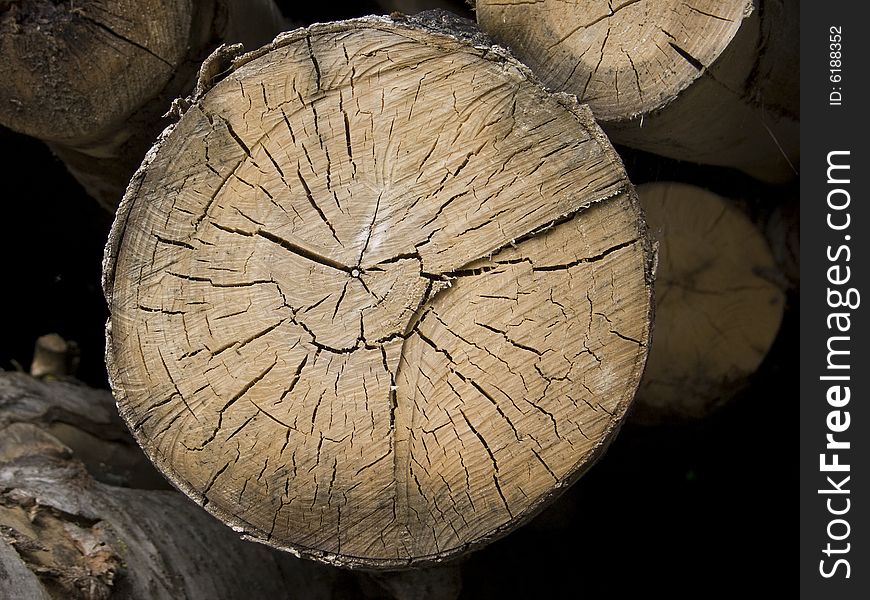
719,303
707,81
378,295
92,78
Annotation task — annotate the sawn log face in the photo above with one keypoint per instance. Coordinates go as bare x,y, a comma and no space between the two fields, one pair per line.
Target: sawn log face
377,296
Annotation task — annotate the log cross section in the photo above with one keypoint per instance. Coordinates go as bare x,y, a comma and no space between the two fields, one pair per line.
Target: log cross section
623,58
707,81
378,295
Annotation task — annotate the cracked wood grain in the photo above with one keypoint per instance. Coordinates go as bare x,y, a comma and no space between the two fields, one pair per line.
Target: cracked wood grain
410,347
706,81
719,303
93,78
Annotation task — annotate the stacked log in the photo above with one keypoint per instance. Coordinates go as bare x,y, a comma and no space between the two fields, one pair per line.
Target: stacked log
719,303
93,78
378,296
704,81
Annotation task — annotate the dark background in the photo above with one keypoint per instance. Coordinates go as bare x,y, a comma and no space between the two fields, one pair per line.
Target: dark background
697,510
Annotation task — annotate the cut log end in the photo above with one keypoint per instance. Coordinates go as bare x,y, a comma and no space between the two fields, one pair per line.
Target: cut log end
621,58
54,356
703,81
719,303
377,296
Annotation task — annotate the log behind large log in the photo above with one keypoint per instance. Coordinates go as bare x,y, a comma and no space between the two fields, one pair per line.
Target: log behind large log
705,81
719,303
378,296
92,78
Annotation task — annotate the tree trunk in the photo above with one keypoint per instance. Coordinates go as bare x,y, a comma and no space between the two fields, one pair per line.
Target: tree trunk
92,78
378,295
719,303
707,81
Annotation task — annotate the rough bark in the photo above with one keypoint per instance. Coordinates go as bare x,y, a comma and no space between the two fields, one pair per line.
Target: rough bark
84,419
93,78
704,81
719,303
24,399
378,296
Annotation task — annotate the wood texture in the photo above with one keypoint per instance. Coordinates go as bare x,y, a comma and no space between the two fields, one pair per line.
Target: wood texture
92,78
719,303
378,296
83,419
707,81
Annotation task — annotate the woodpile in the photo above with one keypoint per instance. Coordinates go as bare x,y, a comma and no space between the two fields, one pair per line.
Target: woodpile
382,289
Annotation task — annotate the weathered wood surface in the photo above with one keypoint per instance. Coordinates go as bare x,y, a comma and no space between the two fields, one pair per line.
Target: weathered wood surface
378,296
83,419
719,303
707,81
30,400
92,78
